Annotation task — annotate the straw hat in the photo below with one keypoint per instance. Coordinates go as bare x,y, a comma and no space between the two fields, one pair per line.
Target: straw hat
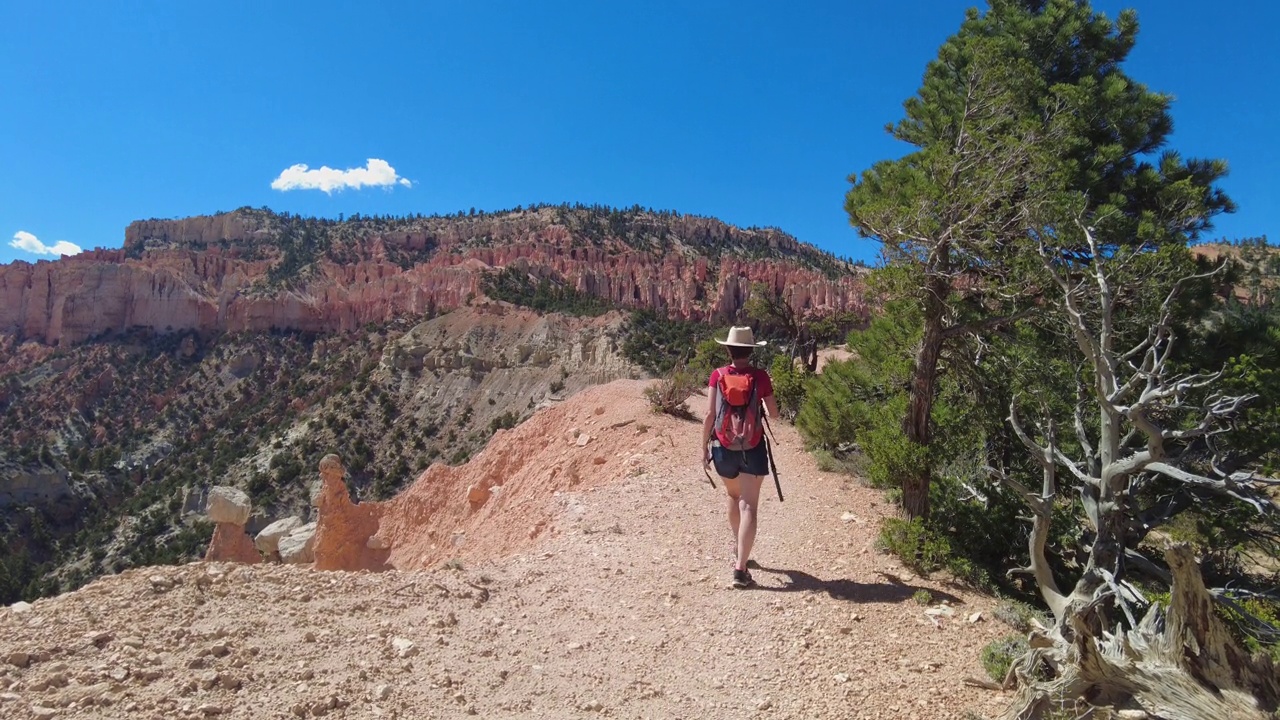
741,337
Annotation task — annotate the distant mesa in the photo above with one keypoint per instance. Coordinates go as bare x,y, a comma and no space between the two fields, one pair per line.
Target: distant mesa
256,270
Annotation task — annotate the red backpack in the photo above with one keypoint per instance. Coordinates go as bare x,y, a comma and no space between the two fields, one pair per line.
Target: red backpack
738,410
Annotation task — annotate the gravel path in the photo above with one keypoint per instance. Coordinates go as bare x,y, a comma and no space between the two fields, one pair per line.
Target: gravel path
620,609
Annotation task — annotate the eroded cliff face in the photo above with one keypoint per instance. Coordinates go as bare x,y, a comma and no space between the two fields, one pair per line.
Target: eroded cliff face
255,270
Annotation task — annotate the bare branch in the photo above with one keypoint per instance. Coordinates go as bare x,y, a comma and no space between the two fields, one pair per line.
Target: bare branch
984,325
1238,486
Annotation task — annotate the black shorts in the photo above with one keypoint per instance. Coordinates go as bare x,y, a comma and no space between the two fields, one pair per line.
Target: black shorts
730,463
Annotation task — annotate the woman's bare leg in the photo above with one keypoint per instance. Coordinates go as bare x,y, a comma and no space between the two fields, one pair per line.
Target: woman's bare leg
731,487
744,519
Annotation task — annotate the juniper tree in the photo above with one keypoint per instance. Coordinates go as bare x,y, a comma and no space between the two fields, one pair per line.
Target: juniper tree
1139,423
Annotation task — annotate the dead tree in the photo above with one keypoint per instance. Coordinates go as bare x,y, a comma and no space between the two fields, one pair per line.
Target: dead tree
1180,662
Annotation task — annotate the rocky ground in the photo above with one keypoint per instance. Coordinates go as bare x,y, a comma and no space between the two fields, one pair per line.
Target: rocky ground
620,608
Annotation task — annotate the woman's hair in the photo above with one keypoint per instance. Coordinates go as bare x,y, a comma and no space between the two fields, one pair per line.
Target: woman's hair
739,353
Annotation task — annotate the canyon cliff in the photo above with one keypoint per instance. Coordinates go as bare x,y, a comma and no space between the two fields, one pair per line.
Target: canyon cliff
254,270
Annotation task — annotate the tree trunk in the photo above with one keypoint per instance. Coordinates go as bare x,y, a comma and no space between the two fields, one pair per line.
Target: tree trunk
1183,665
917,425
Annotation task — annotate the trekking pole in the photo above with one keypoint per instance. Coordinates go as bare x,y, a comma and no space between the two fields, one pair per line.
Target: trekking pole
708,474
768,449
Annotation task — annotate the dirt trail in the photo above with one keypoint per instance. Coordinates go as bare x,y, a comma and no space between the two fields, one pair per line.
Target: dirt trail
618,608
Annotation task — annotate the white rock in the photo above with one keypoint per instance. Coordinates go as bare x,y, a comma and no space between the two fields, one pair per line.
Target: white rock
298,546
268,541
381,692
20,607
228,505
976,617
850,517
942,611
39,712
404,647
842,677
583,439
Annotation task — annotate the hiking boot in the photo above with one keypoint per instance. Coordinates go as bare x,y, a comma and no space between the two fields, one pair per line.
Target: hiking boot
742,579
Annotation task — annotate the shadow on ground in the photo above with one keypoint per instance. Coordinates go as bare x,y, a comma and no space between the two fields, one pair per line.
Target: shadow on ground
892,590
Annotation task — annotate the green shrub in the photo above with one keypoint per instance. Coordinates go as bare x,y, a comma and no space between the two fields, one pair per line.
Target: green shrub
999,655
788,385
833,461
914,544
669,394
1019,615
922,597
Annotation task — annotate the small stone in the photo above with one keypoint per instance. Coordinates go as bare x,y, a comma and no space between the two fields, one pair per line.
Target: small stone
842,677
575,646
208,680
764,704
849,517
133,642
381,692
975,618
18,659
593,706
309,637
220,650
99,637
583,439
404,647
229,682
160,583
210,709
477,494
39,712
19,607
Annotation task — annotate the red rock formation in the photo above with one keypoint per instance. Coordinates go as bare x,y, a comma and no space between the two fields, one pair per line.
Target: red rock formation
344,530
231,543
209,273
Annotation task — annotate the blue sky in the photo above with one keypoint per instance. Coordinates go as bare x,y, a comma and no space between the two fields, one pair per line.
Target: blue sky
753,112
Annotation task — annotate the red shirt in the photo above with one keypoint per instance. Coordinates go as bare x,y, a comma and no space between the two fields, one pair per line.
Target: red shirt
764,387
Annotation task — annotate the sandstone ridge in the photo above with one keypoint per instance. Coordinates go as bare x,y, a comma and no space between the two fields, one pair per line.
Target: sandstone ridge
258,270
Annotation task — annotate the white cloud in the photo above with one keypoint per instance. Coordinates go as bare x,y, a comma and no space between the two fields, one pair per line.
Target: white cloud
24,240
375,173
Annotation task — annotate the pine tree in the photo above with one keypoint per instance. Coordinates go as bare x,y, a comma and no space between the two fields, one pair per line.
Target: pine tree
1025,113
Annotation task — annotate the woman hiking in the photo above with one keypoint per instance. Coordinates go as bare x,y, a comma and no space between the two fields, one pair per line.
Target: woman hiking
732,439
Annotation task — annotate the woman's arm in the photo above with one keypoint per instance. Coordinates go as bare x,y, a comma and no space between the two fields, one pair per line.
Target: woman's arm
772,406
